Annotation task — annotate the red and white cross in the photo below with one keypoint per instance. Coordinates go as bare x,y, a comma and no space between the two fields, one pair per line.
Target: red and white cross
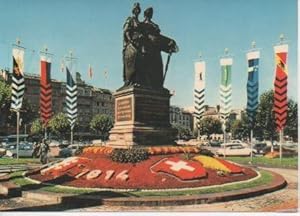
179,165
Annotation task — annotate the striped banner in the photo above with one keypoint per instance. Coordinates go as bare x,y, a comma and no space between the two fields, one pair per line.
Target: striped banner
280,86
18,81
45,90
199,90
225,88
4,74
252,85
71,99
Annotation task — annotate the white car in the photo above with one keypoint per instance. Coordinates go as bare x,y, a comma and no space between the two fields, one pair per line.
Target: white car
234,150
234,142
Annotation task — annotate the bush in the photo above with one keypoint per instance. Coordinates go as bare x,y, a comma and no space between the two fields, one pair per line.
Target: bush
129,155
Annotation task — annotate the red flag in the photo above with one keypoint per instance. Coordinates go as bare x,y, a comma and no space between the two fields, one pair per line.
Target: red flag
280,86
90,72
45,91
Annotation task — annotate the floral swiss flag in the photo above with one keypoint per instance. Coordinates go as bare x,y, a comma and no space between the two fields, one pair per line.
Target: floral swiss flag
179,168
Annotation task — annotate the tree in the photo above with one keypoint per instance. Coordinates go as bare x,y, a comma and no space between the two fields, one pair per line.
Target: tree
102,124
291,128
59,125
241,127
5,97
5,94
182,132
37,127
209,126
26,114
9,117
265,118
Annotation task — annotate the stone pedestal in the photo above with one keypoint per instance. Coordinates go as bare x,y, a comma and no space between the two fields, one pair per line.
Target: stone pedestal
141,118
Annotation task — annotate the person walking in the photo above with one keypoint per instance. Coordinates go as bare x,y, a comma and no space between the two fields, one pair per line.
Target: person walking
44,149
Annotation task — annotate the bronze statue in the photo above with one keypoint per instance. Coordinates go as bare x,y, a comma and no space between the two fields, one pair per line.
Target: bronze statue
143,43
132,47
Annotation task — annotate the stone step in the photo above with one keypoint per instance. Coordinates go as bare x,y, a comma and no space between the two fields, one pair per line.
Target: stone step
45,196
9,189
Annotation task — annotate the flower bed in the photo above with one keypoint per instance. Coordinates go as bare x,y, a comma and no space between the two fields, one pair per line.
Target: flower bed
101,150
163,150
218,164
97,171
158,150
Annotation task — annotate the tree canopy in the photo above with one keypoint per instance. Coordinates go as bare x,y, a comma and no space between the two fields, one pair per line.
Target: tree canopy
102,124
209,126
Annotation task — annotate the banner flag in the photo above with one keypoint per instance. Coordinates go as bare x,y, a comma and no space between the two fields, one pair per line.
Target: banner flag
90,71
252,85
45,90
225,88
4,74
71,99
280,86
199,90
18,81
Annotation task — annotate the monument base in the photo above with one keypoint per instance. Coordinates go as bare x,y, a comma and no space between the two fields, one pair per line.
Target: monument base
141,118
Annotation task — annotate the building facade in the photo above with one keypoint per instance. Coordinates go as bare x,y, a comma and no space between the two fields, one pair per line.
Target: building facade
91,100
181,116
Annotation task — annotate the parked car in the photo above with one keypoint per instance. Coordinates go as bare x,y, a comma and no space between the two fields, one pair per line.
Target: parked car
233,143
259,148
2,152
286,152
234,150
215,143
25,150
70,150
54,143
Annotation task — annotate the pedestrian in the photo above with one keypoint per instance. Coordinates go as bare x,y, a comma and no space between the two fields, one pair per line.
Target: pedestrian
44,149
36,149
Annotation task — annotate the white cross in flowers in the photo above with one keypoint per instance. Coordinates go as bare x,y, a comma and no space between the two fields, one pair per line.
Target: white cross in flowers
179,165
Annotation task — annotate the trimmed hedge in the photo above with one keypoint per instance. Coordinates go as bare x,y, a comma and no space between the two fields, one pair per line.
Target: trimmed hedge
129,155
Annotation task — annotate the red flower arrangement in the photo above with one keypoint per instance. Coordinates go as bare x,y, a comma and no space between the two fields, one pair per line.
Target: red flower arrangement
148,174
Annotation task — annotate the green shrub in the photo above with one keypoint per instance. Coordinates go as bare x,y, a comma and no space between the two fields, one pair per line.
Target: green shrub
129,155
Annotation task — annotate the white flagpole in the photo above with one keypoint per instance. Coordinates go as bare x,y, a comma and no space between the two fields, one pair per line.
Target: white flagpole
18,129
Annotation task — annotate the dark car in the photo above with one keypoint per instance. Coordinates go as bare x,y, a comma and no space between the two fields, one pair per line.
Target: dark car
215,143
259,148
285,152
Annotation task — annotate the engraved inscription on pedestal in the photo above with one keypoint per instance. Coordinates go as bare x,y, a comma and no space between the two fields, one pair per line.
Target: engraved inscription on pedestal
152,110
124,109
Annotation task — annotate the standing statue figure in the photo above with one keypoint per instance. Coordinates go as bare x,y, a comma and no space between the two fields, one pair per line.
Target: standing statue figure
132,50
143,43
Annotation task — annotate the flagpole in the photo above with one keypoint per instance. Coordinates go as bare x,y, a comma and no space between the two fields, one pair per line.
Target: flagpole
71,58
281,141
45,136
71,142
251,144
18,128
224,134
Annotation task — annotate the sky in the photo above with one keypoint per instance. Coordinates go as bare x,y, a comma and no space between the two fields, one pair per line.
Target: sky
92,29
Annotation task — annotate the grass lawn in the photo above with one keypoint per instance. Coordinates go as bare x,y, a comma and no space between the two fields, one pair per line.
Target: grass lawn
288,162
14,161
265,178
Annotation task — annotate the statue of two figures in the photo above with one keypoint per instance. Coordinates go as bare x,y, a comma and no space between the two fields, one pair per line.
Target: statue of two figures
143,43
